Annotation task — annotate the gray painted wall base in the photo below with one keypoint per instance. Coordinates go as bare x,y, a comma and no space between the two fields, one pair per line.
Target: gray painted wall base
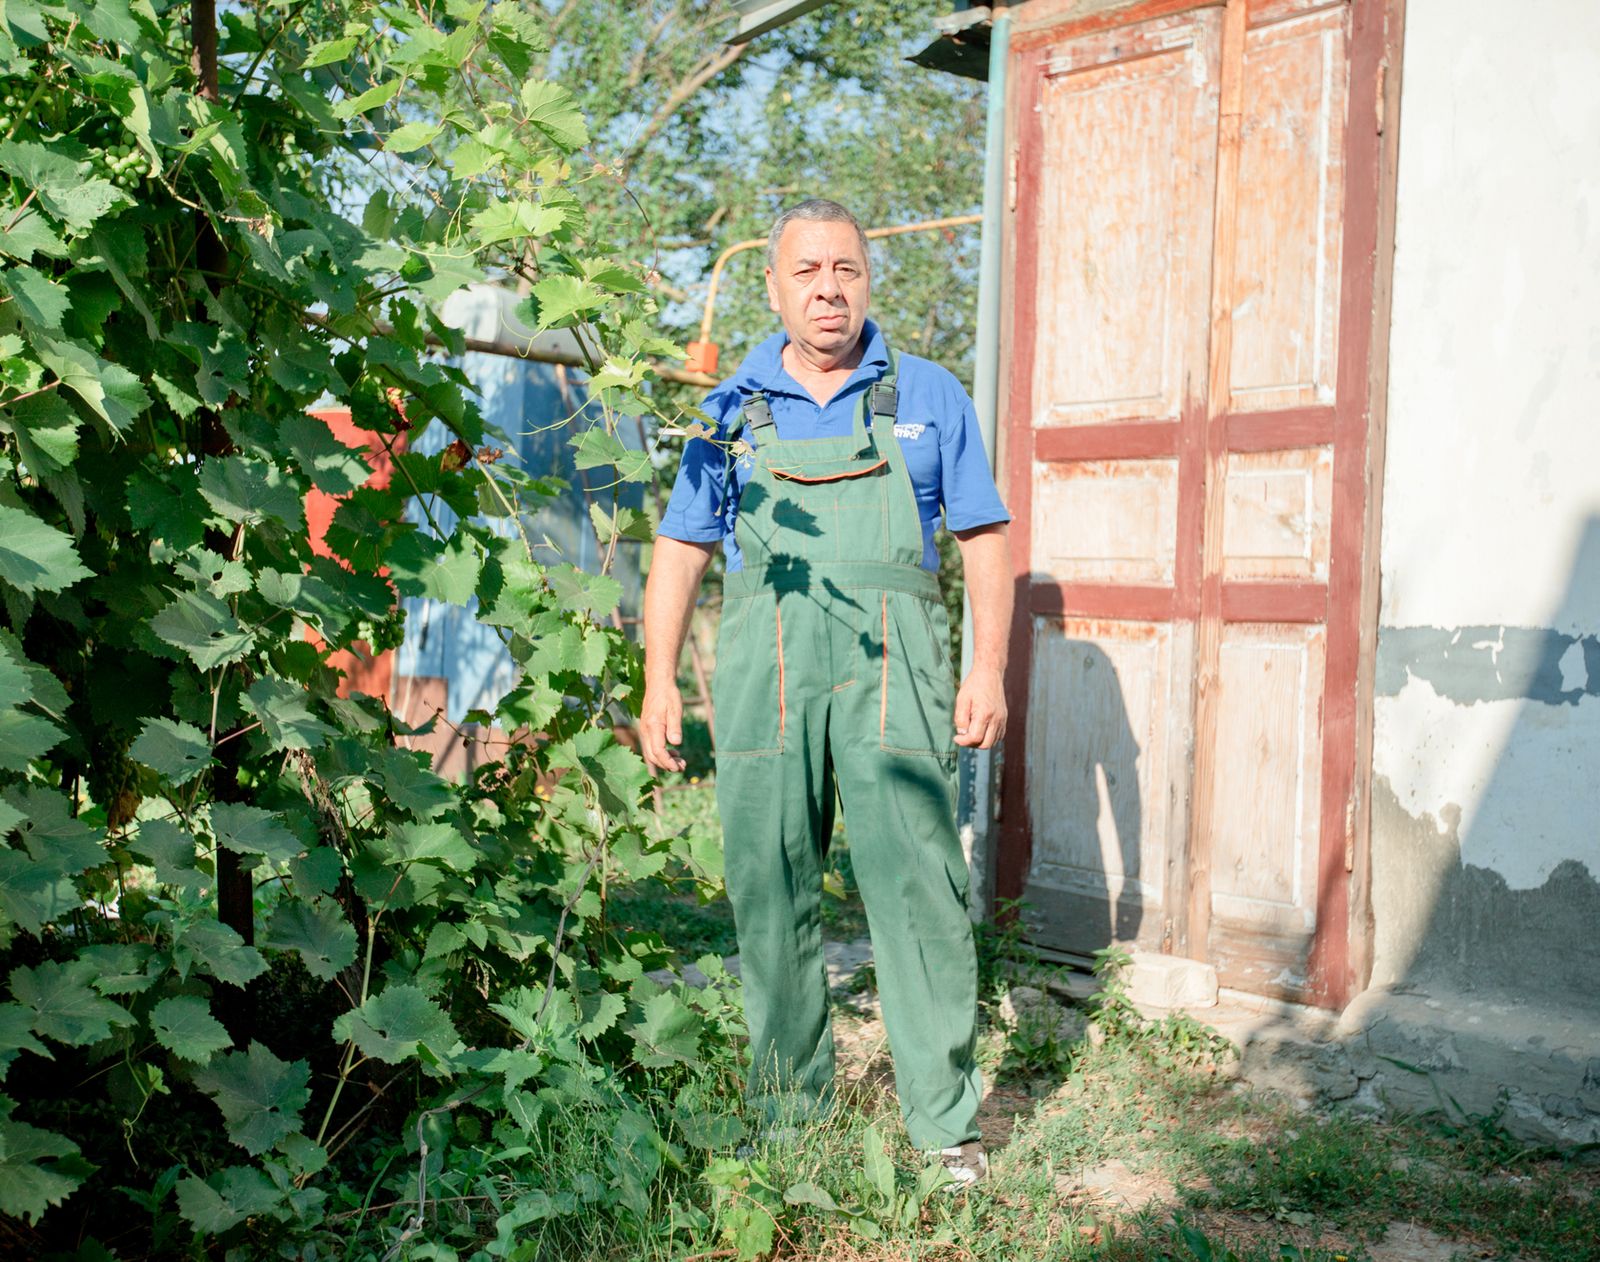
1535,1069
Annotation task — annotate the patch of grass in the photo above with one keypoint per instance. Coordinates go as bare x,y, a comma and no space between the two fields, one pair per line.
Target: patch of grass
1237,1176
690,927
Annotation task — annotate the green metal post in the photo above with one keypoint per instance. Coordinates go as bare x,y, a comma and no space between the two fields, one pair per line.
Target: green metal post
977,806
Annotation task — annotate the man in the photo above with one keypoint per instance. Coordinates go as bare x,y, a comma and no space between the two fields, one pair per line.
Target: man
825,480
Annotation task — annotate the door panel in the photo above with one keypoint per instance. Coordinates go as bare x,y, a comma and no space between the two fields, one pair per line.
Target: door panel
1125,219
1291,184
1264,821
1106,445
1099,757
1110,520
1278,518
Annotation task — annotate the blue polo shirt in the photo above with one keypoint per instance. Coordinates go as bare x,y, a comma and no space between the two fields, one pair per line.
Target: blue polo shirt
936,425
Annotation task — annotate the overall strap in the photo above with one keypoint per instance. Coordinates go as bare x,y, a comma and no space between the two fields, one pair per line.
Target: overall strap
883,395
881,398
757,411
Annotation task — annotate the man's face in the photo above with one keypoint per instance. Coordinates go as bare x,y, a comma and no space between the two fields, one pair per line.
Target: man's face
820,286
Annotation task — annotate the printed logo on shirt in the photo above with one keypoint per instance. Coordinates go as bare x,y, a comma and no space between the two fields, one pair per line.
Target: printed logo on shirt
913,432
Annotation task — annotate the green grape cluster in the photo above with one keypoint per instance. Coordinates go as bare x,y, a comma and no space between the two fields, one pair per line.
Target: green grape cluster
13,111
112,778
123,165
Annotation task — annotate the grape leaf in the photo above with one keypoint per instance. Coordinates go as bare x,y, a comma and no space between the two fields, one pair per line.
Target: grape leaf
185,1027
250,490
409,137
412,787
318,931
31,894
121,968
554,111
203,627
441,843
178,751
53,835
210,572
30,1179
327,51
46,430
260,1095
331,466
391,1026
63,1003
595,594
24,737
171,852
564,298
598,447
628,523
371,99
285,714
251,830
531,704
112,392
227,1199
421,565
16,1035
218,950
37,299
316,872
34,556
170,507
507,220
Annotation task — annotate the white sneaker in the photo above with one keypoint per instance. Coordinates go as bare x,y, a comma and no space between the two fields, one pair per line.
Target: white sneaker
967,1163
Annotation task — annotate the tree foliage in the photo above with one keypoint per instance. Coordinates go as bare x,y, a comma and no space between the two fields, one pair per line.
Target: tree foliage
234,900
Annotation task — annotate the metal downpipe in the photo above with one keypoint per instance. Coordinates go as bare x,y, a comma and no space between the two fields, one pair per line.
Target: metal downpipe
976,804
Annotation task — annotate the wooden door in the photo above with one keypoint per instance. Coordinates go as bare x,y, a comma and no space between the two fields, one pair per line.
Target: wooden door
1186,449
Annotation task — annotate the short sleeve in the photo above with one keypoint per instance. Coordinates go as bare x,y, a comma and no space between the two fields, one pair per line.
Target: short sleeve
696,511
968,490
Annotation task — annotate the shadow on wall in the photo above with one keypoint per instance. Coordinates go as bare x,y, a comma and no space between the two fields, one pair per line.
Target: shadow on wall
1487,801
1085,885
1486,854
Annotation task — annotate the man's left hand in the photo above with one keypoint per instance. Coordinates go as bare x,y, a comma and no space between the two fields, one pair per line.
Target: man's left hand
981,709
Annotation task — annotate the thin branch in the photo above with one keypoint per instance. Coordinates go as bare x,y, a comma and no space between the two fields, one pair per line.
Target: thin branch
686,88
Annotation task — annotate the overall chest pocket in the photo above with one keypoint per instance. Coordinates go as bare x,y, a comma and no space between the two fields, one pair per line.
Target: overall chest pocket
747,687
828,509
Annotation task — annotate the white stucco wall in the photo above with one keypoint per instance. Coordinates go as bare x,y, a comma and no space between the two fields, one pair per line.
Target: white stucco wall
1487,742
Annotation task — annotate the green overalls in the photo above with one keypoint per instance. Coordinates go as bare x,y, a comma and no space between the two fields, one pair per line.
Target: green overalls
833,669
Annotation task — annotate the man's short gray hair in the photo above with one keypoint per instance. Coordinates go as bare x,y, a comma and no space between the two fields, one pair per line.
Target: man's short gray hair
814,210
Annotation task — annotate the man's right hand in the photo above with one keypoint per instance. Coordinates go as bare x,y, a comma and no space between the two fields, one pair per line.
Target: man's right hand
676,569
661,727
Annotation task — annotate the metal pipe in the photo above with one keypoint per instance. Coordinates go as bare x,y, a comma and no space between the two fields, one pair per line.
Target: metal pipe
538,354
541,355
976,788
986,369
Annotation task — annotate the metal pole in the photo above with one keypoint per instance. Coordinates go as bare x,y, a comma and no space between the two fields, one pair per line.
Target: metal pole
976,797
